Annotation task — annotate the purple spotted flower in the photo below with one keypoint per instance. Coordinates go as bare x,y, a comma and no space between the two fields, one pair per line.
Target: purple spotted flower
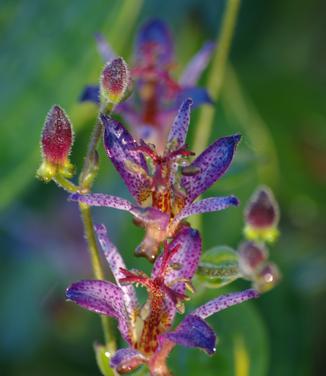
147,328
164,186
157,95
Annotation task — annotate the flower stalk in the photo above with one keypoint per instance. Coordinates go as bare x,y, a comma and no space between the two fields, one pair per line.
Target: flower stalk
216,74
215,80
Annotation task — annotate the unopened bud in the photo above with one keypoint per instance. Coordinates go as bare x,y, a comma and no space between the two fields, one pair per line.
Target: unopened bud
267,278
56,143
115,80
262,216
251,257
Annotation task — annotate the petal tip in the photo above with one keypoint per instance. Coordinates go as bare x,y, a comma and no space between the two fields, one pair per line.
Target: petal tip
236,138
234,201
74,197
70,293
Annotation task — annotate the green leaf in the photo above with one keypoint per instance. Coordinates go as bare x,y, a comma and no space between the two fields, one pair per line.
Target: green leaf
218,267
103,360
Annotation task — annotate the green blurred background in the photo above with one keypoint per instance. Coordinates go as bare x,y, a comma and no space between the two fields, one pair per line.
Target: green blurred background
274,94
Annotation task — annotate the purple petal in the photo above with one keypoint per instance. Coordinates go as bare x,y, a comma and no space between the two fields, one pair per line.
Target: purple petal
194,332
91,93
130,164
196,65
101,297
179,129
187,258
126,360
104,48
100,199
151,217
212,164
225,301
199,96
207,205
154,38
116,262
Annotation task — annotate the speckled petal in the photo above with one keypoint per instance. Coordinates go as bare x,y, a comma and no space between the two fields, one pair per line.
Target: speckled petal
207,205
100,199
212,163
154,38
225,301
187,258
103,47
91,93
194,332
102,297
179,129
116,262
196,65
130,164
126,360
199,96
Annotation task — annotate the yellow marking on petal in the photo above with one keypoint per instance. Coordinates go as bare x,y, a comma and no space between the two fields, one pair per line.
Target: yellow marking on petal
241,358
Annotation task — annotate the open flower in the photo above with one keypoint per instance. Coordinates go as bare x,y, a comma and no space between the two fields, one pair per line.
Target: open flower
166,185
147,328
157,95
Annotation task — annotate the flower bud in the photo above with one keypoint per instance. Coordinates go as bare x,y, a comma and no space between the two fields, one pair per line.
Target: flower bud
56,143
267,278
114,81
251,258
262,216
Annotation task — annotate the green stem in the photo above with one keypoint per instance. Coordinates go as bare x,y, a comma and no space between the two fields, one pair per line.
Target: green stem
215,81
89,169
216,74
66,184
97,270
86,179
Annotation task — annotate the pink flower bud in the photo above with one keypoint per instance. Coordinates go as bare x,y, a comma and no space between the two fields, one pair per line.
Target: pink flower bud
262,216
56,143
251,257
267,278
114,81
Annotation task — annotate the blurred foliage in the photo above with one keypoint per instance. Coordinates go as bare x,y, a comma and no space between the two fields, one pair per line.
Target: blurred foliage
274,94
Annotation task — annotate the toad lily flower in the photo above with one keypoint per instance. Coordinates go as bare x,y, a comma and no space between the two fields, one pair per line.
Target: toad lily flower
157,95
164,186
147,328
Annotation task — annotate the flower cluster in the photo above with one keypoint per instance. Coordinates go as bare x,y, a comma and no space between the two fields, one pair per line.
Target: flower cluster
165,181
261,218
164,185
147,328
156,95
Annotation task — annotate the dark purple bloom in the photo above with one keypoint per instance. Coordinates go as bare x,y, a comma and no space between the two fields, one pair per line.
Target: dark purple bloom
166,185
147,328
